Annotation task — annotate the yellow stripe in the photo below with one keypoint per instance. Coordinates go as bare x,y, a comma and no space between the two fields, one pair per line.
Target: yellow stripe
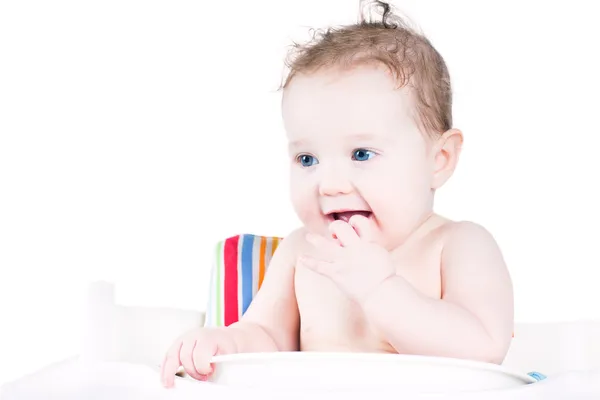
261,265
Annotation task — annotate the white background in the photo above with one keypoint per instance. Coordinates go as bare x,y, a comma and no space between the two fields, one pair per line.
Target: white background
136,134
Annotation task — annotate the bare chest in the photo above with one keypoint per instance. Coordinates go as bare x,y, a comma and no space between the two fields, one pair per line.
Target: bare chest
329,320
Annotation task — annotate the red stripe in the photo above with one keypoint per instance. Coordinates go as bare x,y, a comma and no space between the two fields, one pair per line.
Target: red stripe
230,256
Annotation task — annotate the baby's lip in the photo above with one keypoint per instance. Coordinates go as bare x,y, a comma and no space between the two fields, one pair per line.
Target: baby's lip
342,210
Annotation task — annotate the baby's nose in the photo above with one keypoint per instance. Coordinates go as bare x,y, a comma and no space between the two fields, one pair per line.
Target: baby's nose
334,182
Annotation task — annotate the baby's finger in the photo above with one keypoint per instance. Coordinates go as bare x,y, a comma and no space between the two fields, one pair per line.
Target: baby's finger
363,227
202,357
170,364
318,241
187,360
321,267
344,233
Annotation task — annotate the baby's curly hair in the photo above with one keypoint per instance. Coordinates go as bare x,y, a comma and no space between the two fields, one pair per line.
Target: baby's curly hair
408,55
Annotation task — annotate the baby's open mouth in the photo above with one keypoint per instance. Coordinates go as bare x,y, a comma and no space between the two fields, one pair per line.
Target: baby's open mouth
346,215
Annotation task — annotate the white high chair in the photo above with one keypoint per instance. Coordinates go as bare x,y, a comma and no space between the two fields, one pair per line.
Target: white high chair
239,265
123,346
143,334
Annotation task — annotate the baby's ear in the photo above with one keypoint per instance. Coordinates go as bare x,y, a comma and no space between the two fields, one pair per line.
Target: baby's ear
445,156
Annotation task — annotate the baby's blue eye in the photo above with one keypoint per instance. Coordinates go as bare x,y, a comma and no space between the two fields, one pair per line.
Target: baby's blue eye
307,160
362,154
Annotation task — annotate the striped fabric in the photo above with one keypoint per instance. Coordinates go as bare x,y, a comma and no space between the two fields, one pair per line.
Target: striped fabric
238,270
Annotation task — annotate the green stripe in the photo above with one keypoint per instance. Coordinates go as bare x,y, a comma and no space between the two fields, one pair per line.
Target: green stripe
219,297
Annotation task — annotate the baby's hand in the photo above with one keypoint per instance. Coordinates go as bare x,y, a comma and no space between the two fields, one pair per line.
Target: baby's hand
194,351
355,262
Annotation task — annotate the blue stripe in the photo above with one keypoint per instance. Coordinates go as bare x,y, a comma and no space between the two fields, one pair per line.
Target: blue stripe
247,246
537,376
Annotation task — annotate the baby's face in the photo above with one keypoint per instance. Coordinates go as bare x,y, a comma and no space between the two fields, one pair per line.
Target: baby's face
355,147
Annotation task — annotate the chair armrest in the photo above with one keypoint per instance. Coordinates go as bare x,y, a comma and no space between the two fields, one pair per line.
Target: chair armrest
128,333
553,348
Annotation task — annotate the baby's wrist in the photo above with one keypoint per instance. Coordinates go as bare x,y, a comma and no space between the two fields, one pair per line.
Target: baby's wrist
378,292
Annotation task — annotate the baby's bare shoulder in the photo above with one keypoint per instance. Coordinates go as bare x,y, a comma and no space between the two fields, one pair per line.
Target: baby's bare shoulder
453,227
469,247
456,232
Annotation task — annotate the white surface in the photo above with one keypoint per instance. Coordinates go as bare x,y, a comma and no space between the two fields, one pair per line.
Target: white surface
353,371
73,380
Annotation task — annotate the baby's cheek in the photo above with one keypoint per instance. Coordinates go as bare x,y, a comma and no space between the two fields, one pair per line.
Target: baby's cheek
305,208
305,201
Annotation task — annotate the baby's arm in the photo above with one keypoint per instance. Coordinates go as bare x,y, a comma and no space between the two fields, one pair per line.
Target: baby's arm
271,322
474,318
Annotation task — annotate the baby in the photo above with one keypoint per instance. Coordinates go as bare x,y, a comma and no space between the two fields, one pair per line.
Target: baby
367,112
